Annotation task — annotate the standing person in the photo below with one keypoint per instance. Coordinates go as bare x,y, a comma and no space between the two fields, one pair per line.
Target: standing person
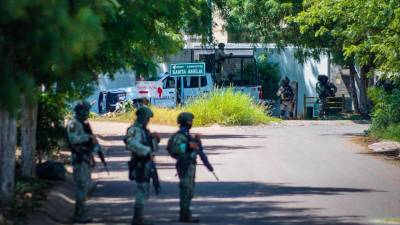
294,85
83,144
286,96
324,90
142,144
185,148
219,59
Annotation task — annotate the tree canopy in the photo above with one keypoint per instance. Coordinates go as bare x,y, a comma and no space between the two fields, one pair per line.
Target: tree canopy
366,31
68,43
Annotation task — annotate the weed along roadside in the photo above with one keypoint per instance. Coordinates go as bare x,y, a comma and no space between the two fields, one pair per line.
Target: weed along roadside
224,107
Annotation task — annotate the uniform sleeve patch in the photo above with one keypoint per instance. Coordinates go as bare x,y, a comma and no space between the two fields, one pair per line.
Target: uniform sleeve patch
131,132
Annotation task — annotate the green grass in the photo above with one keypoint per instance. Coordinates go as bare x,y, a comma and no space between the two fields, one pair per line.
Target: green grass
224,107
227,107
392,132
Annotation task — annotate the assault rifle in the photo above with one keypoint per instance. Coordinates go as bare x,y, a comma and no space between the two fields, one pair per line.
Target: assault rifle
93,144
184,163
203,156
153,169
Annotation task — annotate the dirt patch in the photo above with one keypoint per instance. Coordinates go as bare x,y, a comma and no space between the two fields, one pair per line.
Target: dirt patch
365,141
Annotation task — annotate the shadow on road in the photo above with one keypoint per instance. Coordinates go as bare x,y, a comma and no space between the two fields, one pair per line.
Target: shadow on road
344,134
231,203
167,135
218,203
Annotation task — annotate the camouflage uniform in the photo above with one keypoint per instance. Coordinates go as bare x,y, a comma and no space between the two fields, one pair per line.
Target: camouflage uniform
186,178
82,154
142,145
179,148
324,89
286,95
219,58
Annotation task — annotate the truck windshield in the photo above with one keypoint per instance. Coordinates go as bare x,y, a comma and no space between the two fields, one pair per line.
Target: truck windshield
237,71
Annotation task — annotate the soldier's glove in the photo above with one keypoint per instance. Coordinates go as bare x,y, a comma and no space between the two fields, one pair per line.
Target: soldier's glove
156,136
194,146
152,156
92,161
197,137
93,139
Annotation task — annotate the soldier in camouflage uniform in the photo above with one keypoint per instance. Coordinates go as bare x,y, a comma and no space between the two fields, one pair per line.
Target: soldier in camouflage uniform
286,95
182,146
142,144
325,89
219,59
83,144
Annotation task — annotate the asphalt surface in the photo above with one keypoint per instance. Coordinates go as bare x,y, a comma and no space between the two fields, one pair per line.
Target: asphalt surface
292,173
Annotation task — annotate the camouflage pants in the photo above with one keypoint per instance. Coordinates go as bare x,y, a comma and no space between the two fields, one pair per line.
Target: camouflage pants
186,187
323,102
83,181
286,107
142,194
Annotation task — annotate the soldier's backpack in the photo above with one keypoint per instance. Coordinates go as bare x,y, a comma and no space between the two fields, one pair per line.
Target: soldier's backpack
288,94
172,148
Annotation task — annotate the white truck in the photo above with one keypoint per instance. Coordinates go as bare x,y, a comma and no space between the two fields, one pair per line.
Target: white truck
238,72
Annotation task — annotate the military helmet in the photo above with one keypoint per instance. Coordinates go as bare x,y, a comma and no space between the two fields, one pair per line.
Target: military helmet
286,80
82,106
144,112
184,117
323,78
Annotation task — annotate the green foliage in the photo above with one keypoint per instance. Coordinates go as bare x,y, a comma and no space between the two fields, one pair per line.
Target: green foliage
222,106
386,116
140,32
70,42
260,21
392,132
366,31
58,39
227,107
50,125
269,75
362,30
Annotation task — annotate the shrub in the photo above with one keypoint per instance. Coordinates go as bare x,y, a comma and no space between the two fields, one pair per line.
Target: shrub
227,107
50,129
386,113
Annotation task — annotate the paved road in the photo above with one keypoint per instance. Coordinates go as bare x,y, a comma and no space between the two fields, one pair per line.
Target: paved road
292,173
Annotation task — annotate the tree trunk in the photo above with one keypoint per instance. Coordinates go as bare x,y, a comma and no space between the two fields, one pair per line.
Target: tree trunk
8,141
28,138
353,89
363,86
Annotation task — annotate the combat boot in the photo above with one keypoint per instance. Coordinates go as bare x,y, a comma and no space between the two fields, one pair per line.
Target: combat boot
80,214
138,218
185,216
